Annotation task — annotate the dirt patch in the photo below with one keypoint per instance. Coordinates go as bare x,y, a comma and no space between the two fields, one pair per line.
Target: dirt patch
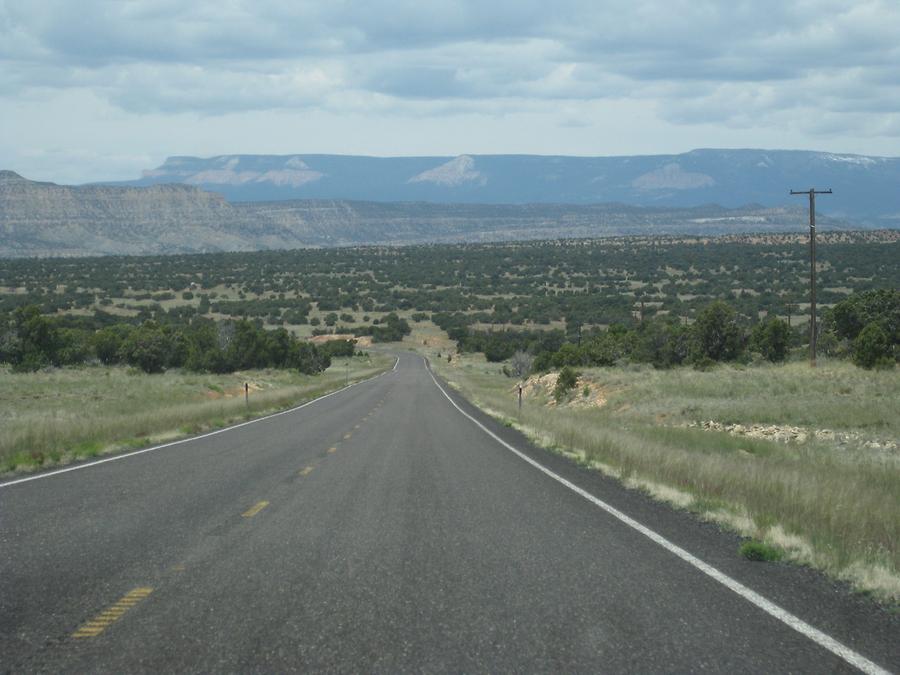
362,341
231,392
434,341
538,385
586,394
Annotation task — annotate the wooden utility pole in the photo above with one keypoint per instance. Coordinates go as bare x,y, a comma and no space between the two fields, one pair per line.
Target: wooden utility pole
812,192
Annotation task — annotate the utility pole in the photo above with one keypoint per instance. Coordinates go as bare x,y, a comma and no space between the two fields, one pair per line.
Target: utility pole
812,192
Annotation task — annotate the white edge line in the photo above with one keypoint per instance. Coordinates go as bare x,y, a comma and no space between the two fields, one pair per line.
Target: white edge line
115,458
838,649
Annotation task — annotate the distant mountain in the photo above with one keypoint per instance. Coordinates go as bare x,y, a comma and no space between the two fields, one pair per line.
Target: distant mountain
865,188
44,219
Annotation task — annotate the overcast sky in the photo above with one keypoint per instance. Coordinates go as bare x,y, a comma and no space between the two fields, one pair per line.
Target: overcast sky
93,90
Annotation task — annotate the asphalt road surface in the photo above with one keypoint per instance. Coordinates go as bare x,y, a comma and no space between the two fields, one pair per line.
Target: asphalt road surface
381,529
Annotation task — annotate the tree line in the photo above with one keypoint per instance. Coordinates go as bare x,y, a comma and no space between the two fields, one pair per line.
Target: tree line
30,340
865,328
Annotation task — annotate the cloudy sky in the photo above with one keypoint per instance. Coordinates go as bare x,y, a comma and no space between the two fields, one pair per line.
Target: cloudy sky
94,90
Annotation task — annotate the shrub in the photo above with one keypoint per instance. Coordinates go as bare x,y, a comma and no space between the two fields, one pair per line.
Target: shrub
716,334
849,317
770,338
339,347
569,355
107,343
567,380
392,329
33,342
872,347
147,348
662,342
309,360
497,350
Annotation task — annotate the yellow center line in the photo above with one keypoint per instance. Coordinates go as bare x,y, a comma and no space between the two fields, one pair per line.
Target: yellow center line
356,426
306,470
111,614
256,508
348,435
332,449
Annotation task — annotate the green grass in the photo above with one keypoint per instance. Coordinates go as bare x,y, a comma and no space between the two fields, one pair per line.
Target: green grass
86,449
837,395
835,507
760,551
52,417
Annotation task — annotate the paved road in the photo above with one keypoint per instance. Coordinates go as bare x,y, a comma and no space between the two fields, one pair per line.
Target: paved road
381,530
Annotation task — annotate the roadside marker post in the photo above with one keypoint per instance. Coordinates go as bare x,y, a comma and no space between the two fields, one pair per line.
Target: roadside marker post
247,393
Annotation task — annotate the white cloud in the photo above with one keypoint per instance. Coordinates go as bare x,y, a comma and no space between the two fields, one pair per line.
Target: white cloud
820,71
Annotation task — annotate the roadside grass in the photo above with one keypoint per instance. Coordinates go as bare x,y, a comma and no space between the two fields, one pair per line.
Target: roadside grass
833,507
757,550
53,417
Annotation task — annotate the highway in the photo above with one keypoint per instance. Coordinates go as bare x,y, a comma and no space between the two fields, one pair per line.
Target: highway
392,527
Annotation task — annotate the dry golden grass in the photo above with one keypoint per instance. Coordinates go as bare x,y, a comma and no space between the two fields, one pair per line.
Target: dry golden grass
53,417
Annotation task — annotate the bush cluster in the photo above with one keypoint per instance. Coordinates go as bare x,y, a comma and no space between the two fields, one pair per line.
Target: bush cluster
865,327
30,340
389,329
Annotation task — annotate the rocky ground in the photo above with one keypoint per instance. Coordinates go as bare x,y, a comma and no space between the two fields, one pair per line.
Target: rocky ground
586,394
792,434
